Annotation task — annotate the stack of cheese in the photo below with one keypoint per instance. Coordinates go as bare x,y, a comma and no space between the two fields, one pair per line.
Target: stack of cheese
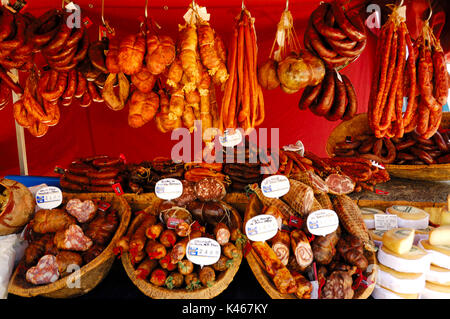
402,266
412,217
437,284
368,214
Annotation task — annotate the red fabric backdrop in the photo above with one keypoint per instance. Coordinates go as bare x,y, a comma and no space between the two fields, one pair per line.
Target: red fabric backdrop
99,130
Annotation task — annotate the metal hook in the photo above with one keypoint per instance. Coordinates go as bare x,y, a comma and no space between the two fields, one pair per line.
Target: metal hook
431,11
243,5
287,6
146,9
103,12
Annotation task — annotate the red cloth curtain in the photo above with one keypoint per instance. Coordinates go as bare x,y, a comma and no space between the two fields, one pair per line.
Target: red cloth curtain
99,130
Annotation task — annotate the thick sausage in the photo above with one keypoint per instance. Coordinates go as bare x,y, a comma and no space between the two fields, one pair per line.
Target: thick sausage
309,95
340,101
302,249
352,104
326,97
45,272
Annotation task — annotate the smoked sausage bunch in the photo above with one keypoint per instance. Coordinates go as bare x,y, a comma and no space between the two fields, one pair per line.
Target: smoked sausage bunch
16,40
334,98
243,100
411,149
62,238
422,78
92,174
63,47
157,248
338,37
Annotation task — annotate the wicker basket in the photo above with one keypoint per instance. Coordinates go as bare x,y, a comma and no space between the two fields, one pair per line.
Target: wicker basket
91,274
152,291
255,206
142,201
359,126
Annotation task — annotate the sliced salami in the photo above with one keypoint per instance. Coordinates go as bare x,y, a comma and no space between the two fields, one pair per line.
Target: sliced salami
82,211
188,194
45,272
339,184
210,189
72,238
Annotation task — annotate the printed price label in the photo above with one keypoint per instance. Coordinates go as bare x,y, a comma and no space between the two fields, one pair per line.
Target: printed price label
203,251
230,138
49,197
261,227
172,222
275,186
322,222
168,188
385,221
117,188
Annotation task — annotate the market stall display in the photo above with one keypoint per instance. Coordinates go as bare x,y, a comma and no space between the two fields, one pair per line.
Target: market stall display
62,237
327,243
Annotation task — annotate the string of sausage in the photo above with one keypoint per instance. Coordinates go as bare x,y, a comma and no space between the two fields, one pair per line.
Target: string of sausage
243,101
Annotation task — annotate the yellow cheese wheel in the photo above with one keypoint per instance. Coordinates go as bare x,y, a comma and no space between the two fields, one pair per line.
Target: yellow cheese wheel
369,212
404,296
376,235
437,287
415,253
443,249
399,240
440,236
407,212
398,274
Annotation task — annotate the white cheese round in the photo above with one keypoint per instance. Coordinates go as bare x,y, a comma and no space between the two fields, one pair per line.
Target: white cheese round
415,261
384,293
409,216
400,282
439,254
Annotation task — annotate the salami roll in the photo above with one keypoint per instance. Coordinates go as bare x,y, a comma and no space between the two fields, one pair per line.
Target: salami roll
45,272
82,211
210,189
339,184
280,245
222,233
72,238
302,249
155,250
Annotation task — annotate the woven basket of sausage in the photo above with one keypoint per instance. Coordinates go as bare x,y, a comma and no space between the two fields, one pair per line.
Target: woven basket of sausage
153,251
71,248
294,264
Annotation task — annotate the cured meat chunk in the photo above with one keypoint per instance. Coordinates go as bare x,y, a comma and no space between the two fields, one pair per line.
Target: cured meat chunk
45,272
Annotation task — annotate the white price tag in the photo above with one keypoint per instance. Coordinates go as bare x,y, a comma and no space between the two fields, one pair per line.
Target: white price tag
71,6
168,188
230,138
49,197
261,227
275,186
203,251
385,221
315,289
322,222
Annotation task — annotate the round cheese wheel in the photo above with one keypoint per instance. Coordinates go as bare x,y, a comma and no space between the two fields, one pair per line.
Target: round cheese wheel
380,292
439,254
409,216
415,261
400,282
422,234
438,275
368,216
435,291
